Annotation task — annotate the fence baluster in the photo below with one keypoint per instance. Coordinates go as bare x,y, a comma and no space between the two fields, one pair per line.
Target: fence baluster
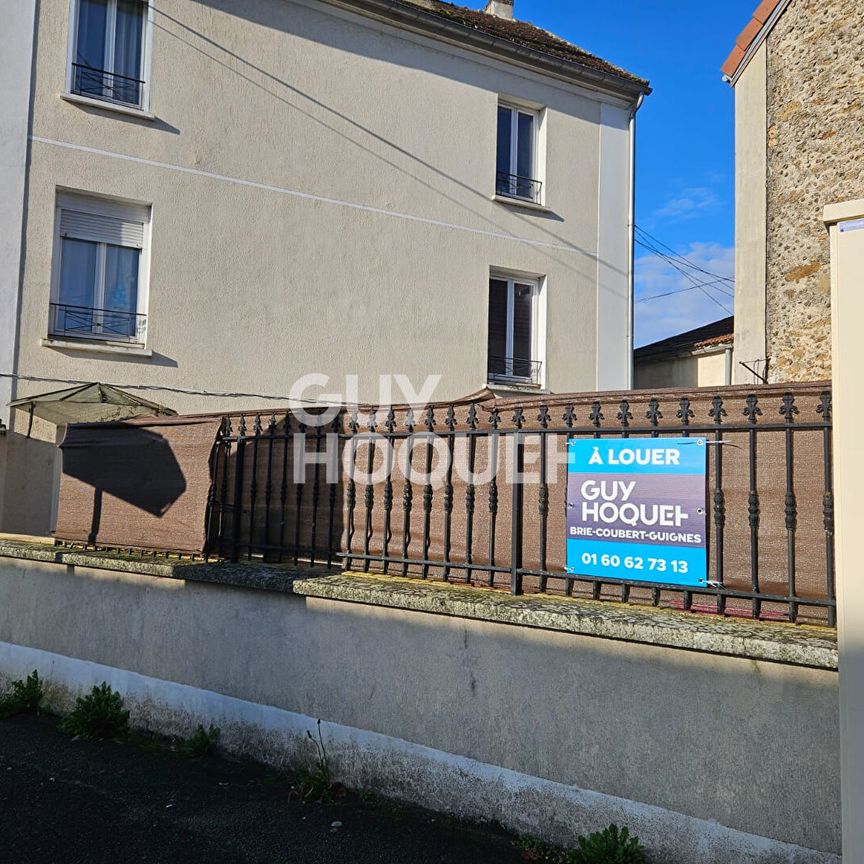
789,409
268,486
717,413
429,423
825,412
387,502
223,503
470,491
450,423
369,495
408,493
283,488
752,411
494,419
685,415
351,491
316,496
654,416
335,429
240,455
596,417
625,415
543,496
253,489
569,418
518,492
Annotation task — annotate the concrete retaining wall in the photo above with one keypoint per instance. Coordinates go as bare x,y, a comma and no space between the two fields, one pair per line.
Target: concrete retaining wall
708,758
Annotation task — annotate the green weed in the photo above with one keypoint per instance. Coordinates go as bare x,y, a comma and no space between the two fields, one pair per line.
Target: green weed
98,715
24,697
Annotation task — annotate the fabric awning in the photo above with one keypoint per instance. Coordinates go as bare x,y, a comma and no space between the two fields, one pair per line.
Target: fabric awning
89,403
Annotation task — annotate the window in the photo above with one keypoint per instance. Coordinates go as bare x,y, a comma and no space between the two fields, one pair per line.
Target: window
513,314
516,166
107,50
100,280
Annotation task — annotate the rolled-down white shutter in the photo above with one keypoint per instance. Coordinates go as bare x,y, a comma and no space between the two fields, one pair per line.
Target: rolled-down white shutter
103,221
101,229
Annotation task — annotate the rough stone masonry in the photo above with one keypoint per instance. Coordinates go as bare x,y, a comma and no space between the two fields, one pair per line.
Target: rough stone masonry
815,104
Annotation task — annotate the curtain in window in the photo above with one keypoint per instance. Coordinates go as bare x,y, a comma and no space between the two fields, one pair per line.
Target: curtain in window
121,290
497,327
88,77
78,262
523,329
127,49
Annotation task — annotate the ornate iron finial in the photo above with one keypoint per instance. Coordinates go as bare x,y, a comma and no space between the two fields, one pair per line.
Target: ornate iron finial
543,416
371,421
625,415
390,422
789,409
472,416
256,425
271,424
226,430
685,412
494,417
596,414
429,419
569,415
286,423
242,429
717,412
409,419
335,423
752,409
653,413
450,419
354,422
518,417
824,408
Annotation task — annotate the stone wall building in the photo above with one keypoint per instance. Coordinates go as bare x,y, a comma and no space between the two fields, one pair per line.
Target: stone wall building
798,75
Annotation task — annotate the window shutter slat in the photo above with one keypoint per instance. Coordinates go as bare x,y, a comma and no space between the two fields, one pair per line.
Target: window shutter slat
101,229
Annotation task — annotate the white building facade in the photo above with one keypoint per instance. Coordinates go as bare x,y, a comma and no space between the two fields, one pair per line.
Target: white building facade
212,197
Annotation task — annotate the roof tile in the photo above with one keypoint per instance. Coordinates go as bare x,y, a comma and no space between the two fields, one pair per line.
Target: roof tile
748,35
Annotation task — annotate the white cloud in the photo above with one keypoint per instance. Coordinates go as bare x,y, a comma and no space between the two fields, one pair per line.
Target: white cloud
682,311
689,203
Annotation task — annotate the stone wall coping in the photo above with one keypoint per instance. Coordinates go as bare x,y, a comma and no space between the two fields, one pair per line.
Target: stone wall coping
774,642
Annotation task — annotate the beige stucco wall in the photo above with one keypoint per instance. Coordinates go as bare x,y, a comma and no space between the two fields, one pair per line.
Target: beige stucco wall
815,156
847,277
688,370
750,217
746,744
321,191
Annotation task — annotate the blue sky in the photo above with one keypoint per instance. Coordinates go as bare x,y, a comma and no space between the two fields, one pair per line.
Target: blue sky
685,137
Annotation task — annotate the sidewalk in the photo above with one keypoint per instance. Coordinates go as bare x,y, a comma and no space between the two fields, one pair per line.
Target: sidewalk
80,801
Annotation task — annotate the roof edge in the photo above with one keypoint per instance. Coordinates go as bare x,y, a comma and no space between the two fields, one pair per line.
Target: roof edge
414,17
750,39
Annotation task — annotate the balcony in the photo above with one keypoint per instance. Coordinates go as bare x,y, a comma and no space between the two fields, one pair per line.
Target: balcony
107,86
521,188
512,370
101,325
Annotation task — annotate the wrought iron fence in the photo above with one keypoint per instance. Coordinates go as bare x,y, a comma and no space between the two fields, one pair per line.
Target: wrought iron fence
388,490
106,86
514,186
84,322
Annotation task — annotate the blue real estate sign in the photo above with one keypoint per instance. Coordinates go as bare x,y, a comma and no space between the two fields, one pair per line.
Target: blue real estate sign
636,509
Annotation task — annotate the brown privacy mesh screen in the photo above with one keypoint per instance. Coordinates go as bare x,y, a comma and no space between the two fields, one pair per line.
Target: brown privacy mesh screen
263,511
140,483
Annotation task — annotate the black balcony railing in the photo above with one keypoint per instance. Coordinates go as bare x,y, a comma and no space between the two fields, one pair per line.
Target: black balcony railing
514,369
105,85
83,322
514,186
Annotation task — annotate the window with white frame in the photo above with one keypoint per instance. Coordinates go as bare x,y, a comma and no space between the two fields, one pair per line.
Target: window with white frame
100,281
107,50
516,162
513,340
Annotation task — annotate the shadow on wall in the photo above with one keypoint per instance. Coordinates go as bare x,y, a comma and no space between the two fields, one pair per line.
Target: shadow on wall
140,469
26,484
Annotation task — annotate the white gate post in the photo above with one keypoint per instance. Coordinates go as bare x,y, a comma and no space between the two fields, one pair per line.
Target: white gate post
846,225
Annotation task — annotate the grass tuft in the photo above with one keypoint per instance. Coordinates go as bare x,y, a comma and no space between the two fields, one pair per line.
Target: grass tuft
98,715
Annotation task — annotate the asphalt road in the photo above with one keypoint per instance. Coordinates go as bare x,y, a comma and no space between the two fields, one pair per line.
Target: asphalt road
71,801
